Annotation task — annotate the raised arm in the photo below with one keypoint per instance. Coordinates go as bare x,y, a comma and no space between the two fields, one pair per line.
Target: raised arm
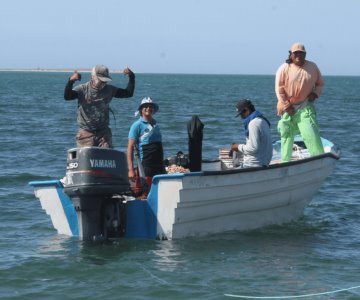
69,93
129,90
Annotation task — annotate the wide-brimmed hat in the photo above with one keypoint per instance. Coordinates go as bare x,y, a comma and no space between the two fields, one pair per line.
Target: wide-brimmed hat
147,100
298,47
102,73
241,105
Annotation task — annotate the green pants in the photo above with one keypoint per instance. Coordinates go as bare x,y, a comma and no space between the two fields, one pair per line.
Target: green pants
303,122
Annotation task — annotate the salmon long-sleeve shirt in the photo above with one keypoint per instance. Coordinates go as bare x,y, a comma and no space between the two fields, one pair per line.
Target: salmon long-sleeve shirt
293,84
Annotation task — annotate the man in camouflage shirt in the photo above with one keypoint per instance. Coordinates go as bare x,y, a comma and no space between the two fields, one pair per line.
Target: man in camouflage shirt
94,98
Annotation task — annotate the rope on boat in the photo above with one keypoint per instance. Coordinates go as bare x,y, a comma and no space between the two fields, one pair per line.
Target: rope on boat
292,297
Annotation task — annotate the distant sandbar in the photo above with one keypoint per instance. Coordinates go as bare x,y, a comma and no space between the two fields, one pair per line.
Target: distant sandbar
52,70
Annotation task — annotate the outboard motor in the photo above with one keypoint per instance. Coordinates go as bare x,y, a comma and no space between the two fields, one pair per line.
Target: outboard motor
97,183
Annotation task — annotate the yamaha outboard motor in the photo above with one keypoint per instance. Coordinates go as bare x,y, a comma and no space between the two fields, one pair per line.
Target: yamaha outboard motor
195,132
97,183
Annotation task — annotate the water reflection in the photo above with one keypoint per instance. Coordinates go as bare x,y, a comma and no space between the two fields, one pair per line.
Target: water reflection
167,257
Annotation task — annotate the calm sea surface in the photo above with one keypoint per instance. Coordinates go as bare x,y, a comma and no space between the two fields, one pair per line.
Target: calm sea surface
319,254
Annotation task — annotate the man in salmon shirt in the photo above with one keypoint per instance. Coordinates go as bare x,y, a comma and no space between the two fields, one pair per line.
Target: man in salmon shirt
298,83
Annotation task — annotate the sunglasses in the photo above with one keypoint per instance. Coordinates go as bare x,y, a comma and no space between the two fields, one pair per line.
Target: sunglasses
148,106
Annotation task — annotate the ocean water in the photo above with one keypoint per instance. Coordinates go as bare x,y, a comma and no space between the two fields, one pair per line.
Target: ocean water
317,256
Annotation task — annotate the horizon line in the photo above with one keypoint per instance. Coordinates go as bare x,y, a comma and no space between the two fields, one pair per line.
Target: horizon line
115,71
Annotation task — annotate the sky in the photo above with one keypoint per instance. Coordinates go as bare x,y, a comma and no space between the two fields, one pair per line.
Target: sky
179,36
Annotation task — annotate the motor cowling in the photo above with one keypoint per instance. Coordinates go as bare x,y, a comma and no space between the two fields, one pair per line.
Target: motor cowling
96,171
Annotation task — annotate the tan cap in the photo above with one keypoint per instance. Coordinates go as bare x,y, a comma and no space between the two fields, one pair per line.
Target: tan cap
102,73
298,47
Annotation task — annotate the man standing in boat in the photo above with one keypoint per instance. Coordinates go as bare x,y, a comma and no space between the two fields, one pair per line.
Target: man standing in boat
94,99
298,83
257,151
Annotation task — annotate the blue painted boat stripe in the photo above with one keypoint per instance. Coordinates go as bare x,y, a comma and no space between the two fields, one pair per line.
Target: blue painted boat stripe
152,202
56,183
69,211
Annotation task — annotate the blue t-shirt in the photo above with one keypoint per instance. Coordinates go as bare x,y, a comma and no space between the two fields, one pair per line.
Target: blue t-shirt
144,133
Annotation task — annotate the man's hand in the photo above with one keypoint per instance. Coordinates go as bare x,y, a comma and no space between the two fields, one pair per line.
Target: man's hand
131,175
235,147
127,71
312,96
290,110
75,76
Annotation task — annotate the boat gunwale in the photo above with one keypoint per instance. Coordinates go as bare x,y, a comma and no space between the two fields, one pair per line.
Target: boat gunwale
50,182
157,178
274,166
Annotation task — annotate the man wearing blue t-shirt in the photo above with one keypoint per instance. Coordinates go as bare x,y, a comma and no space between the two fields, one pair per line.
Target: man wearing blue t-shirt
145,136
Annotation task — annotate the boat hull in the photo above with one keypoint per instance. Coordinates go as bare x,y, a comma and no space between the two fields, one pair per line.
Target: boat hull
214,202
208,202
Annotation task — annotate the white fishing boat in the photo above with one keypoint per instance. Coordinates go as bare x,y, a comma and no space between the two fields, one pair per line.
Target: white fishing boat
94,200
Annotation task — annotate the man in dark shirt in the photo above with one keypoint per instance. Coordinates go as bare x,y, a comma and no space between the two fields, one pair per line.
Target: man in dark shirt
94,98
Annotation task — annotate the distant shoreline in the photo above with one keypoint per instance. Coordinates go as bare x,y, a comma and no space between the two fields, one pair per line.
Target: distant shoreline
52,70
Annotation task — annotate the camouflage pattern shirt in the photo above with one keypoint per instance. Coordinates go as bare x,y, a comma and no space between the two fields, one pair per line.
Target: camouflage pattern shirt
93,104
